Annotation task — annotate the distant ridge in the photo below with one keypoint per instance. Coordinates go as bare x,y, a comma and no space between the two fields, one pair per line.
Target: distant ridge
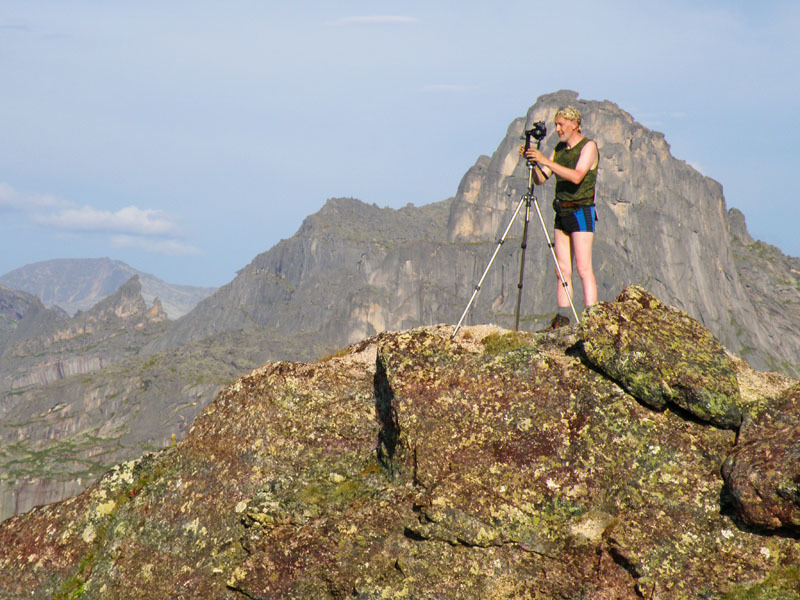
75,284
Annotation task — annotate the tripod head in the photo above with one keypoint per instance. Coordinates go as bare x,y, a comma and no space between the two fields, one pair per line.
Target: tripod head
538,132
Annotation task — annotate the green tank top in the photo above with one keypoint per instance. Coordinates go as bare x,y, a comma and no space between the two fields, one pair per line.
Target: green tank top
576,195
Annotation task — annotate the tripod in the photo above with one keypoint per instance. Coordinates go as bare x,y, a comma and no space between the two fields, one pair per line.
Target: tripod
527,199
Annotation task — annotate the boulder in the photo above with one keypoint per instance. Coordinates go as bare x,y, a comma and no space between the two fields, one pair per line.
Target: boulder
762,474
662,357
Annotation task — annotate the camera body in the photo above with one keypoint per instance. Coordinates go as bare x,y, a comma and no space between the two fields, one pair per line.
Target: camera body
538,132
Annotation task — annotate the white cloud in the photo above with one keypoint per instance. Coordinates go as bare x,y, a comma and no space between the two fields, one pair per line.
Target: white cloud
11,199
129,220
164,247
150,230
376,20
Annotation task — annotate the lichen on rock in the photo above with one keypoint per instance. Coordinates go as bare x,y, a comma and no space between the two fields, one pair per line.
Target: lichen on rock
492,465
662,357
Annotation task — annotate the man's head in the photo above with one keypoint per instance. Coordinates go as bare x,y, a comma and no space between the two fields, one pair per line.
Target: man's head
568,124
569,113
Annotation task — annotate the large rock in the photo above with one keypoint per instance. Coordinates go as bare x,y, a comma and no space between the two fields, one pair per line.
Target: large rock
763,472
662,357
492,465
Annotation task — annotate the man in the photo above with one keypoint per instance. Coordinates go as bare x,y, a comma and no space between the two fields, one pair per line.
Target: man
574,162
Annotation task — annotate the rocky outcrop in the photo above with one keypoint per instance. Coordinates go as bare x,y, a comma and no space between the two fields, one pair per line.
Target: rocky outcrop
494,464
23,315
763,472
772,282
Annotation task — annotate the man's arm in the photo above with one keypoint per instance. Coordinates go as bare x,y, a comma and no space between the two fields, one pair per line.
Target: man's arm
541,173
587,161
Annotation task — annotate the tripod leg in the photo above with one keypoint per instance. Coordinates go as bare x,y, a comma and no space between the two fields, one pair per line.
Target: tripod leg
522,260
486,270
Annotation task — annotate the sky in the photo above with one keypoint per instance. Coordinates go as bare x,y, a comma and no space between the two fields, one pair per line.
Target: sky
184,138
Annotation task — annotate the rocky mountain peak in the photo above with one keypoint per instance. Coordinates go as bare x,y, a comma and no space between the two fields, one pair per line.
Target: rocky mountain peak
738,227
156,313
126,304
357,269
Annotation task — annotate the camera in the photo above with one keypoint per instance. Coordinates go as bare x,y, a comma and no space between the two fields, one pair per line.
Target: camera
538,132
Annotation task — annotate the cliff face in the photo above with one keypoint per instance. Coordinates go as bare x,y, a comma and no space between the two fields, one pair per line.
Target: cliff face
351,270
354,269
492,465
22,315
75,397
80,395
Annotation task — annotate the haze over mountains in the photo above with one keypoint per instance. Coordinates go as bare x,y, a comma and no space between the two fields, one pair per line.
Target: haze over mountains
78,284
78,394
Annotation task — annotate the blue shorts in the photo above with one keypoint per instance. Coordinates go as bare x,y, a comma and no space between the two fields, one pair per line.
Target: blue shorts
582,219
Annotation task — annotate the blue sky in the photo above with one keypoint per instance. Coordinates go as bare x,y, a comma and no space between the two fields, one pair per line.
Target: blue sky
185,137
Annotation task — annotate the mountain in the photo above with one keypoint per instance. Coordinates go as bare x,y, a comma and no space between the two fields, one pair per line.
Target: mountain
631,457
54,348
73,406
78,284
350,271
20,314
353,269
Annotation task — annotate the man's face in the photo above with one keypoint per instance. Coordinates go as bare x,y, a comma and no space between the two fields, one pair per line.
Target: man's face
565,128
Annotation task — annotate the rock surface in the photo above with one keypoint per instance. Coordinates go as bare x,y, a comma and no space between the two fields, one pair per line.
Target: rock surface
763,472
663,357
492,465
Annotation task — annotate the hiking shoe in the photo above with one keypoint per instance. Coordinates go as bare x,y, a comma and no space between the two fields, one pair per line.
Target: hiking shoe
557,322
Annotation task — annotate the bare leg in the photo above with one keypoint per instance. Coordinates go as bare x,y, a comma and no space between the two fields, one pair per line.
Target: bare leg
563,249
582,249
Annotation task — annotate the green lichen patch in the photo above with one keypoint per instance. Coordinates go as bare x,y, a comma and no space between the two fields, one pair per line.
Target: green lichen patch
502,343
662,357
